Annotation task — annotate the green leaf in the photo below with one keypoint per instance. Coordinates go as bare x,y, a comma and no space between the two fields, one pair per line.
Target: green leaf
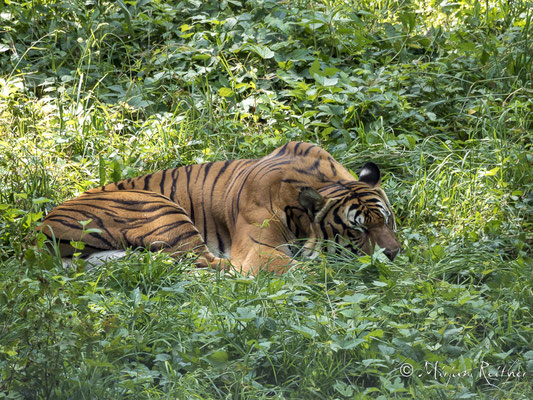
355,298
41,200
343,389
116,171
225,92
314,68
331,109
349,343
101,170
126,13
92,230
438,252
378,333
306,332
492,172
78,245
85,223
202,57
330,71
246,314
262,51
330,81
99,364
218,356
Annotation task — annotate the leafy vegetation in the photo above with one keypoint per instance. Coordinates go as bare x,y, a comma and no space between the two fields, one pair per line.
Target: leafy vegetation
440,95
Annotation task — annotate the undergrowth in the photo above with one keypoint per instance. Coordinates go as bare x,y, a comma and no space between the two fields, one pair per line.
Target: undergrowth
438,95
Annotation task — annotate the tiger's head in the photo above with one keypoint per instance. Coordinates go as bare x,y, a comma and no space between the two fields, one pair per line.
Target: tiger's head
353,214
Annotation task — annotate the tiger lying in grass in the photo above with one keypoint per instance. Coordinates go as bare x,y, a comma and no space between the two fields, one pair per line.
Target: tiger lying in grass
248,212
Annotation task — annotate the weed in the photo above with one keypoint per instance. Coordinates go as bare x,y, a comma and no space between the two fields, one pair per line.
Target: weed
439,95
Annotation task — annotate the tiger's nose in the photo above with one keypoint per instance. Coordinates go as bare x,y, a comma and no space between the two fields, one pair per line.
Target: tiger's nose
391,254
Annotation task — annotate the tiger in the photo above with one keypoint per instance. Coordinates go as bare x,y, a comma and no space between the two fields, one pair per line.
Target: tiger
247,214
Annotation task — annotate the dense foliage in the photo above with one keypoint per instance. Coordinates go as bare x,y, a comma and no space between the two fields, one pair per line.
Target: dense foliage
440,95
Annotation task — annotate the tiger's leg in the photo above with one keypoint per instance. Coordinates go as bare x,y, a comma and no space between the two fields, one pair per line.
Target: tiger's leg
127,218
257,248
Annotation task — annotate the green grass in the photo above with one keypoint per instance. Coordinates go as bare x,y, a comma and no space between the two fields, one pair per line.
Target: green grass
439,95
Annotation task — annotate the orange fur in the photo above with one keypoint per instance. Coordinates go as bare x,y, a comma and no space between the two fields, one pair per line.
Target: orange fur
247,210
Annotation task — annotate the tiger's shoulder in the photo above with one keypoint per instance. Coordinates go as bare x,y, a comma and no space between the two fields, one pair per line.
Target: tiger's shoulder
304,161
300,149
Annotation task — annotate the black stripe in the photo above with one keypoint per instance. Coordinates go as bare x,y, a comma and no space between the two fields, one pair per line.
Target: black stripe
147,179
188,171
323,230
337,219
269,165
315,166
245,170
166,228
183,237
110,213
303,171
219,174
206,174
207,168
242,171
162,213
272,167
87,201
372,200
73,207
200,169
162,183
262,243
125,241
63,221
296,147
78,226
127,205
332,166
85,215
175,174
236,201
281,150
102,239
309,148
292,181
221,245
99,223
221,171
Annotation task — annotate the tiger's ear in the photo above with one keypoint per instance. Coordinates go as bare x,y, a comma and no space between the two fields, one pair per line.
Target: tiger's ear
370,174
311,200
